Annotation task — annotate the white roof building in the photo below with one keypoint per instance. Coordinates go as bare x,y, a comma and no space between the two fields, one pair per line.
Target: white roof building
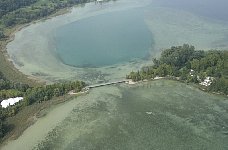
10,101
207,81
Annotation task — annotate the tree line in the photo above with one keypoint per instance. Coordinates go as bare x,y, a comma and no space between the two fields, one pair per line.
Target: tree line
15,12
189,65
7,6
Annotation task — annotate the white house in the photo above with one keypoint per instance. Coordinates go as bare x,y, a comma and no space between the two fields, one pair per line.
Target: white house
207,81
10,101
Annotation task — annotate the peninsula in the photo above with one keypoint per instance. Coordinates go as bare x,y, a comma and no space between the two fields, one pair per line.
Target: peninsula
209,69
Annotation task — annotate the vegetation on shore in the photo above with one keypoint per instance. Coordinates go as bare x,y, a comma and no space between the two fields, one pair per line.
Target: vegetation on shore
189,65
14,12
31,95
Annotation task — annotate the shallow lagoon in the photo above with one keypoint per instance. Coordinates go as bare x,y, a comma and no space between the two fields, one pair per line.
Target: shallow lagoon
155,115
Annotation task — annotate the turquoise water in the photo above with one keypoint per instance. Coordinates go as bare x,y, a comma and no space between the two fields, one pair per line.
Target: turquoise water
103,40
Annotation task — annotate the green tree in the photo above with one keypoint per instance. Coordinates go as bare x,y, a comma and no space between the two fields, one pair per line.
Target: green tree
195,64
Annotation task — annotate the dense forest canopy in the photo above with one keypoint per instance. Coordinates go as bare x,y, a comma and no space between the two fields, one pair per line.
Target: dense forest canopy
189,65
7,6
14,12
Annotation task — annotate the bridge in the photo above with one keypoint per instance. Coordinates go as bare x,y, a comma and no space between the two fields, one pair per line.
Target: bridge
86,89
105,84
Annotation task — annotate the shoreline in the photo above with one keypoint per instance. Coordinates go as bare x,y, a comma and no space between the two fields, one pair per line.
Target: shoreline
197,86
8,63
37,108
29,116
